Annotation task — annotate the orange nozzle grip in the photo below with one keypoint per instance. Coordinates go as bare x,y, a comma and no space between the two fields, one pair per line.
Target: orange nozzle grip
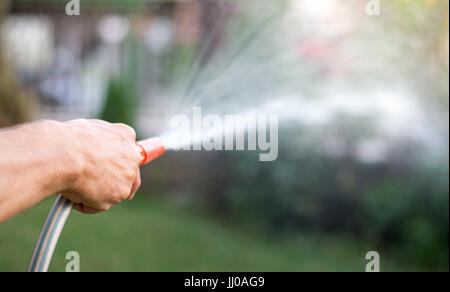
151,149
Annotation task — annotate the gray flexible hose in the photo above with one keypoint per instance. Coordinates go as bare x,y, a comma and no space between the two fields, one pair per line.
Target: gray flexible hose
49,236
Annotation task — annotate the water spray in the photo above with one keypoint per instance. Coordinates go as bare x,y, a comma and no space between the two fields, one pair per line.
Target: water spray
150,149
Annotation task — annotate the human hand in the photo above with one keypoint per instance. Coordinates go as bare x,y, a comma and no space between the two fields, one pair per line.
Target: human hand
106,160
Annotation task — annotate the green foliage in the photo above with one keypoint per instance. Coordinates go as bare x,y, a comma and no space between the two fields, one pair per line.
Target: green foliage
119,103
405,212
411,214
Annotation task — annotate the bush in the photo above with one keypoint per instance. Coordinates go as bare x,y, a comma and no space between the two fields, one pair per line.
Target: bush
119,103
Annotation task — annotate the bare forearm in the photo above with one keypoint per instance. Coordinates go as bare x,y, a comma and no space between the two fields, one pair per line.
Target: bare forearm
93,163
32,166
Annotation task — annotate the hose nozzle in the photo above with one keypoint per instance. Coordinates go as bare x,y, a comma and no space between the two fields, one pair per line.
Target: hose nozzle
151,149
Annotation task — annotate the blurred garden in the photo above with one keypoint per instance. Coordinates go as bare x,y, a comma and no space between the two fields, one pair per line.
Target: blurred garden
363,103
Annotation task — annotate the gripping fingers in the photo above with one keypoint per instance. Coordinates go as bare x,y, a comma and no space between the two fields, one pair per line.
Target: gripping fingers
136,185
86,210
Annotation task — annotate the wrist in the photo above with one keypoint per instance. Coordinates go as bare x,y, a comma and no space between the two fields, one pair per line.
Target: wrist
63,155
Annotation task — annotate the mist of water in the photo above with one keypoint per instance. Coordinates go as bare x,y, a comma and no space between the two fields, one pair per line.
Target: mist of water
278,66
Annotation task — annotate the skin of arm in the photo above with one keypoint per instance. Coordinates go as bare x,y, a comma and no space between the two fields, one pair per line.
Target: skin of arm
93,163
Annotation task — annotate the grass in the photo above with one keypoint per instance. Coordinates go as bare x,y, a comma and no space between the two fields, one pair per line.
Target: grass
149,235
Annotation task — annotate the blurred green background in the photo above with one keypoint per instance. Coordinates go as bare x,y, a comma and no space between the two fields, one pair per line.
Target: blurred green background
150,235
363,104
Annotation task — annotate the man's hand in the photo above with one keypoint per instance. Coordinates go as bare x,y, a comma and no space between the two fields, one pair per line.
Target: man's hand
108,165
93,163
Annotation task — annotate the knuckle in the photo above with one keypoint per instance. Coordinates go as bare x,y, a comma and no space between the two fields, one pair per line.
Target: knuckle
135,156
105,207
131,174
97,121
127,130
116,198
123,195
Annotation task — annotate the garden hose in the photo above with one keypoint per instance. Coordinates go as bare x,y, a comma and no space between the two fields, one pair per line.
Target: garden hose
150,149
